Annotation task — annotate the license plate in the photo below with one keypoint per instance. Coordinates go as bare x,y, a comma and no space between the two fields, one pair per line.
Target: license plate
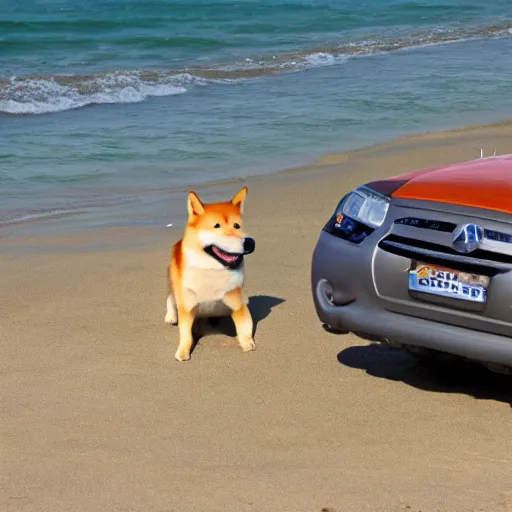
445,282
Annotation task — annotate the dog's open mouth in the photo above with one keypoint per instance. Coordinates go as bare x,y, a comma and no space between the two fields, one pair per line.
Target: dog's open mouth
229,259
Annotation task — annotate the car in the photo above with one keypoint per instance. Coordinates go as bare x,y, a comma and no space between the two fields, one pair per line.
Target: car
423,261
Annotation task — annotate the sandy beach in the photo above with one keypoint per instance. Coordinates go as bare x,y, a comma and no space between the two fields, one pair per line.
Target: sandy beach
97,416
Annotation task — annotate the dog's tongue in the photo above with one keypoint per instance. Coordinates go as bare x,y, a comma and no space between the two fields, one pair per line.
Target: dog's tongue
228,258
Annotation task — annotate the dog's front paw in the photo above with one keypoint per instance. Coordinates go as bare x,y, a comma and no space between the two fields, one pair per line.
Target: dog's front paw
181,355
248,345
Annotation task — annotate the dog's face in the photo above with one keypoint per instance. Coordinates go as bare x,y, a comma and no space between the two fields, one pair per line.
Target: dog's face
218,229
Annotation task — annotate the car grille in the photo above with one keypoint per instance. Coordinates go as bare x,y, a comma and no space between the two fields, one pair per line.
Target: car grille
449,227
497,236
479,261
434,225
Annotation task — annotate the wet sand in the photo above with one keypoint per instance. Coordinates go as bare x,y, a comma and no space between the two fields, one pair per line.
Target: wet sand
97,416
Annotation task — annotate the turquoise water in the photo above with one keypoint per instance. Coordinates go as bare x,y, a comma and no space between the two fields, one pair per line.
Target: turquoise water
110,101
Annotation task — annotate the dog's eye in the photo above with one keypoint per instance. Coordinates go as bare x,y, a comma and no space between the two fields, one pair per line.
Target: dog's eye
217,226
236,225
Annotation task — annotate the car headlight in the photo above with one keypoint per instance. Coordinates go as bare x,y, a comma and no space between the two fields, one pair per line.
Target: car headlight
358,214
365,206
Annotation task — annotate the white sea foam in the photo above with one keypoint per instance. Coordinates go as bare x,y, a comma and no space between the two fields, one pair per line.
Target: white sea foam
324,59
298,62
41,95
44,95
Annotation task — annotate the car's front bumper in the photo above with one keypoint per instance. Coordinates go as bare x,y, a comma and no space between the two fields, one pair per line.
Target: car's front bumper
345,299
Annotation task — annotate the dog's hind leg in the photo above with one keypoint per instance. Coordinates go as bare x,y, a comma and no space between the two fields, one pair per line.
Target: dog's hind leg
171,317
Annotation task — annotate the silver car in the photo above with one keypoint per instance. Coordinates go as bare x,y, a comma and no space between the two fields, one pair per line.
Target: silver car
423,261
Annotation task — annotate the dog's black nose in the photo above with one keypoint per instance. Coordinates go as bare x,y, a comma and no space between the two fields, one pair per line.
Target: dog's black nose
249,245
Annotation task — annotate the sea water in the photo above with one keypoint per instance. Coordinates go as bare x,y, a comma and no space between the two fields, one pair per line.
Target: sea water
106,101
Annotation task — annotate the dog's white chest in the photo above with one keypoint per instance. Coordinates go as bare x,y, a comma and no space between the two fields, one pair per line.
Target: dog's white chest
206,285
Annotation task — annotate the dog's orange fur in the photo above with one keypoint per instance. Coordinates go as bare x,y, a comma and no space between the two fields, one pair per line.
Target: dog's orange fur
188,266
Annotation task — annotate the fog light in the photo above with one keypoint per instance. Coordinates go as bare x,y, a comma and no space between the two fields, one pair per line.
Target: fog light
325,292
329,293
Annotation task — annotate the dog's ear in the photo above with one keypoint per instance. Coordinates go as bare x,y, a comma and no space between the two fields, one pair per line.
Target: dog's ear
239,199
194,205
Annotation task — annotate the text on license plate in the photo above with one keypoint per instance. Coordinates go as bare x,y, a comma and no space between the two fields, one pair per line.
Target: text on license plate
437,280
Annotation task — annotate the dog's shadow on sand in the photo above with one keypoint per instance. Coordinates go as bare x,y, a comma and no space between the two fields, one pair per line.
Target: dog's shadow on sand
260,307
448,375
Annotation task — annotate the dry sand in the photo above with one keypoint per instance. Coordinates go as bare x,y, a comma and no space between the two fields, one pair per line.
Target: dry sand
97,416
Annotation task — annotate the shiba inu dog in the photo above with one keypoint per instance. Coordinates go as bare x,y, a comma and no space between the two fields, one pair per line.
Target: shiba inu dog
206,271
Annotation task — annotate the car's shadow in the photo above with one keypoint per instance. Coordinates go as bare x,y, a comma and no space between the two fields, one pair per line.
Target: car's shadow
452,376
260,307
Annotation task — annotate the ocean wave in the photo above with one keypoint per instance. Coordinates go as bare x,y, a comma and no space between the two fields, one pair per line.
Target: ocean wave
335,54
54,93
41,95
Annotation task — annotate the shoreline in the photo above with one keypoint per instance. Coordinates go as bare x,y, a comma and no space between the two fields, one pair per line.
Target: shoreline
67,219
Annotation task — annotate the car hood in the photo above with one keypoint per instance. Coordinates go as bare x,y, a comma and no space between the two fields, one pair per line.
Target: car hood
484,183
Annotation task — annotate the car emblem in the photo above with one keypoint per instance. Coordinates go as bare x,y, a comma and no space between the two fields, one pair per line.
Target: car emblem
467,238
